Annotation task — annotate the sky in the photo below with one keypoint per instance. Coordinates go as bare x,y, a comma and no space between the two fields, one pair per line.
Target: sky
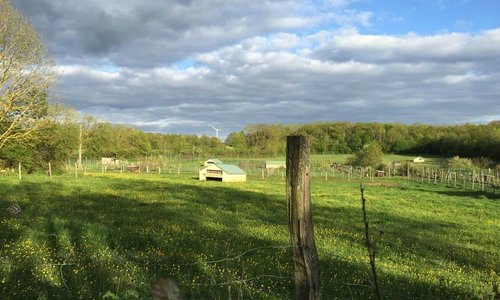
179,66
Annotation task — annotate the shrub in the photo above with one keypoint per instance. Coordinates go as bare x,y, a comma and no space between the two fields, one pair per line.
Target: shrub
458,163
370,156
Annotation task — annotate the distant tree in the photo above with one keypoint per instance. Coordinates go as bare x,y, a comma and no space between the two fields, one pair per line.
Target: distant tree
26,74
266,139
238,141
458,163
370,156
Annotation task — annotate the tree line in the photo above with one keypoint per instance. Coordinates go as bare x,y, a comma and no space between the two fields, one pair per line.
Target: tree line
58,140
465,140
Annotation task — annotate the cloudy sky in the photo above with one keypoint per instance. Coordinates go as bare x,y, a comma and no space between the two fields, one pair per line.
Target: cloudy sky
175,66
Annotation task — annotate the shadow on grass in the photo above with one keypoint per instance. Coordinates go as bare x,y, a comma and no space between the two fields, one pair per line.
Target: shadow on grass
119,235
488,193
408,236
482,195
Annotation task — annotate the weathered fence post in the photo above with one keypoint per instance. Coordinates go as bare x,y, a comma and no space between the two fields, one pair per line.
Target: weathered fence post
473,178
20,172
482,180
50,171
298,191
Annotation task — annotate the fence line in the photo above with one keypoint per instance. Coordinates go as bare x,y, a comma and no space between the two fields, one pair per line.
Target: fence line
475,179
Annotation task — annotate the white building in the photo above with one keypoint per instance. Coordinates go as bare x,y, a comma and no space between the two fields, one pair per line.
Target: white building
223,172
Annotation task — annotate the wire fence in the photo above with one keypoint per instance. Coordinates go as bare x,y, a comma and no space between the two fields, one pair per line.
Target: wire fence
486,180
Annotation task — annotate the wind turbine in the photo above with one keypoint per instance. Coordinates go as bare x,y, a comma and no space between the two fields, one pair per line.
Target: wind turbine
216,130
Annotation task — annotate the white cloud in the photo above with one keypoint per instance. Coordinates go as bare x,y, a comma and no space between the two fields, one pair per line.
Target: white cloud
261,62
349,44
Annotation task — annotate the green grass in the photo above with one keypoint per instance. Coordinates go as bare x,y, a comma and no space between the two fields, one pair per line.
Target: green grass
119,233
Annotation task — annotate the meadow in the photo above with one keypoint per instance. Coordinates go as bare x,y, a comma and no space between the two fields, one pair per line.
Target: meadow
111,235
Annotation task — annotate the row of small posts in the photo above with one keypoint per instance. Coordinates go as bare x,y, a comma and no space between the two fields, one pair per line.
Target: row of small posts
81,168
138,169
20,170
441,176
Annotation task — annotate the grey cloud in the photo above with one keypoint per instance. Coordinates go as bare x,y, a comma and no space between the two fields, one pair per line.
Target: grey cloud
118,64
237,93
149,33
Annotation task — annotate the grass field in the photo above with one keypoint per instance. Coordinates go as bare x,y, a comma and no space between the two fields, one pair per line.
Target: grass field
112,235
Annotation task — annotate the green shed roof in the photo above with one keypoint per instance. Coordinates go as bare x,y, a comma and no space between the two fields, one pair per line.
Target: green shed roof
215,161
230,169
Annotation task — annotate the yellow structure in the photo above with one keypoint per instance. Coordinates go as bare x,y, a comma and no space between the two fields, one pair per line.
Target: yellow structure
223,172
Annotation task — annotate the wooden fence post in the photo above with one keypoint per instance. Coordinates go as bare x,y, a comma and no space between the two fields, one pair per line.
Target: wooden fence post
298,191
20,172
50,171
482,180
473,177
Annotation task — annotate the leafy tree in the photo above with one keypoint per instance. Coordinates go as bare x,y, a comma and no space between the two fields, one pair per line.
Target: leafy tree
26,74
370,156
238,141
266,139
459,163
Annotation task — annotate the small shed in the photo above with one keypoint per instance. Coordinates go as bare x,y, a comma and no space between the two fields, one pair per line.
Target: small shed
134,169
275,164
223,172
419,159
212,161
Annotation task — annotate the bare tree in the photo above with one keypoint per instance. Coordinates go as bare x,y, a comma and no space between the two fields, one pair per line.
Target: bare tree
26,74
